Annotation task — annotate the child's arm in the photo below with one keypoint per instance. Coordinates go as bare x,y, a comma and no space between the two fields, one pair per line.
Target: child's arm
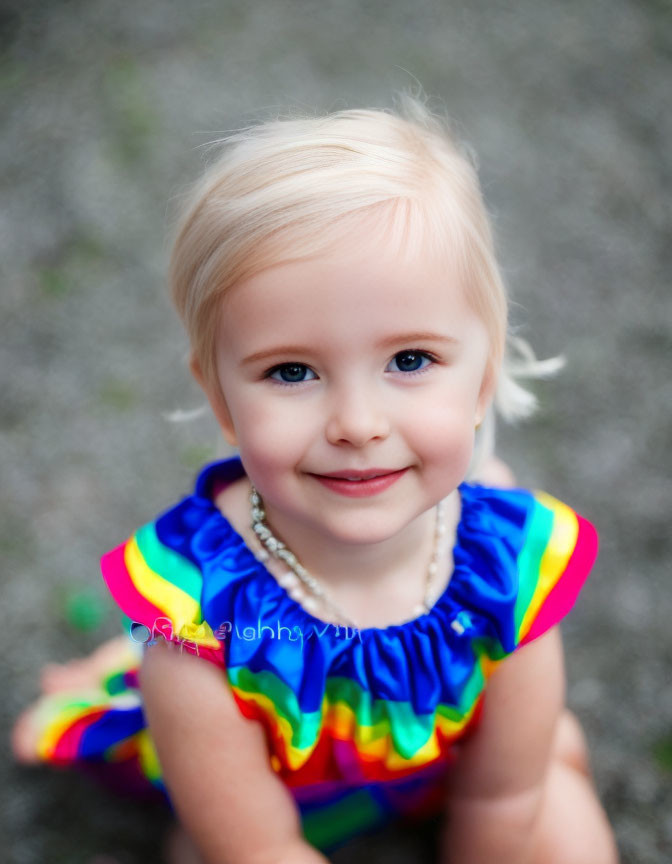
215,765
496,785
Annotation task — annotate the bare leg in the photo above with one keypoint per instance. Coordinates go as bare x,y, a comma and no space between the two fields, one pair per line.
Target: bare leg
81,674
570,744
85,671
573,828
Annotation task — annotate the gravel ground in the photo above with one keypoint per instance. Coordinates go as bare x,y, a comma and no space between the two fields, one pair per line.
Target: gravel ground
106,106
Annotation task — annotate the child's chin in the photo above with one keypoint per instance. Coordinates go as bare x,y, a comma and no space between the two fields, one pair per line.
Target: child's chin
362,531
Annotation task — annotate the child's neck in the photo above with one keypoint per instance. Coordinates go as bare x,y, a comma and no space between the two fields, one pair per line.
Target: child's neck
339,564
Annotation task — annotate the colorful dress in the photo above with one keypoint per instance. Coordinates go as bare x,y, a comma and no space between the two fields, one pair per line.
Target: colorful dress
361,725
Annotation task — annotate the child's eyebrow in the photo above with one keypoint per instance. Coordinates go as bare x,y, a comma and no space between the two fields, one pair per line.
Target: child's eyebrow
416,336
273,352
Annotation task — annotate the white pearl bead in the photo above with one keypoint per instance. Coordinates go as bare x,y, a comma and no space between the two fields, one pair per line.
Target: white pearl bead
288,580
297,592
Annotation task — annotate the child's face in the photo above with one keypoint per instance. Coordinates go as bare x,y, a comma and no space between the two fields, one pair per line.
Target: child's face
354,363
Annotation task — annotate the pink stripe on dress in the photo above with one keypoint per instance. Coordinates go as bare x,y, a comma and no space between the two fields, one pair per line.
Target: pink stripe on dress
563,595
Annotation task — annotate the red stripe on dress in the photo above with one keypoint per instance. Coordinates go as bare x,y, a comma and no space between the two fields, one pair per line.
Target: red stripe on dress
67,748
118,580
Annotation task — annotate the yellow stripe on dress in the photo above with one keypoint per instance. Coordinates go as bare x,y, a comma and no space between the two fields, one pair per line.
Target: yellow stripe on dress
183,611
556,556
147,756
339,721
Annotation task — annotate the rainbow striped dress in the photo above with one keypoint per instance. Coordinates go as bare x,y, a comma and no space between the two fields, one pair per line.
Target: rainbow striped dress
361,725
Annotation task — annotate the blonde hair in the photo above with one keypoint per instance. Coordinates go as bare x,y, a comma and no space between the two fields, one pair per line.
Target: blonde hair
283,189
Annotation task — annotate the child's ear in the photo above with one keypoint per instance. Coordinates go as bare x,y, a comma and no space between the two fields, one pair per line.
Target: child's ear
216,400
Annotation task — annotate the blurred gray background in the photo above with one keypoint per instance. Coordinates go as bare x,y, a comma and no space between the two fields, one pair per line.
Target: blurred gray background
105,108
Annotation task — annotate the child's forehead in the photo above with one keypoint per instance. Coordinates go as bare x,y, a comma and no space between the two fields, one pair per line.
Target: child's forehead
362,287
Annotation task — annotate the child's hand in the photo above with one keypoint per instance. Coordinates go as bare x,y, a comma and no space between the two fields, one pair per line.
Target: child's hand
215,765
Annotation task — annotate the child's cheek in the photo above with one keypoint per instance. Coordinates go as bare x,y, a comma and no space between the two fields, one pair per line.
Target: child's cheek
276,422
269,441
446,442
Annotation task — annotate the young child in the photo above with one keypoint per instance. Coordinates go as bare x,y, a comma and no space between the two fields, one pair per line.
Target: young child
338,628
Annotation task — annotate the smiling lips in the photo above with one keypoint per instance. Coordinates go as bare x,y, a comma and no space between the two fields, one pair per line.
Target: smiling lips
360,484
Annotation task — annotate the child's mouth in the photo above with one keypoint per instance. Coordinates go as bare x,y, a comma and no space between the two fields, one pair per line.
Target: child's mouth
359,484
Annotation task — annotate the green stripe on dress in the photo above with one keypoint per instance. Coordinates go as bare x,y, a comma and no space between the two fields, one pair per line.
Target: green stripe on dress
334,823
409,732
529,560
305,726
168,564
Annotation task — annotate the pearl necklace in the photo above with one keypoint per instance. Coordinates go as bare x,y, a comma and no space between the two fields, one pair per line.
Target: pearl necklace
289,580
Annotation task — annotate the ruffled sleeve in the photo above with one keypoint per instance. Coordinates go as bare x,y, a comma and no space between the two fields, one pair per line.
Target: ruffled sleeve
553,564
521,560
157,581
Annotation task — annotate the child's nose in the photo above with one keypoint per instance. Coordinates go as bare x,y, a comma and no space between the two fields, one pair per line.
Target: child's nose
356,417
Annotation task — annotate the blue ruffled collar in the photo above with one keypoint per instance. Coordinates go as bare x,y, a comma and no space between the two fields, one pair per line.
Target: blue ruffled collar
482,561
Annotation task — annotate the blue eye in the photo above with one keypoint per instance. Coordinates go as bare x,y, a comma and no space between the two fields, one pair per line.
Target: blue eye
409,361
291,373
